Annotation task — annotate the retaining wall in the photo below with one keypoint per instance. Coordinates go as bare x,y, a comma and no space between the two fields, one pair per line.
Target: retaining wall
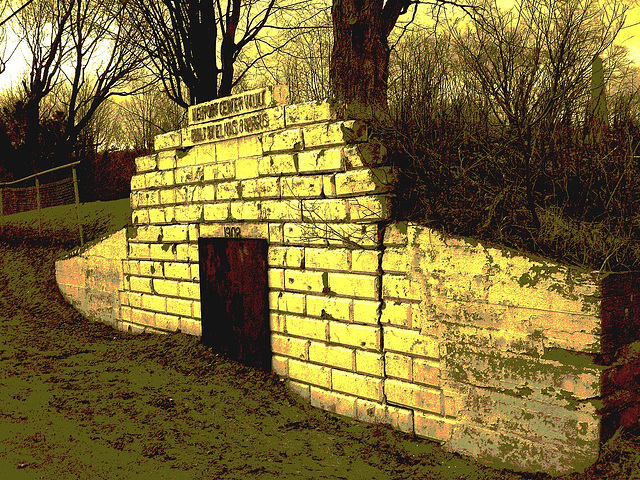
498,355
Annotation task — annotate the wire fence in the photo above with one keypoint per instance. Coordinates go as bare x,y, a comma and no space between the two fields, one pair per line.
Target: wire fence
50,188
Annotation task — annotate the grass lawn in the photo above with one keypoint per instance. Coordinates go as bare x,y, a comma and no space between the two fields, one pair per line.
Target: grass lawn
79,400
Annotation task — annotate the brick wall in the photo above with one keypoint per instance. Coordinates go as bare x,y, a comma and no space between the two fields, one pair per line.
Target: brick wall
91,281
499,355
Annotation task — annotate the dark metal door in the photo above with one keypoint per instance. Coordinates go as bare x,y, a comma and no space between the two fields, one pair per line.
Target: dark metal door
234,296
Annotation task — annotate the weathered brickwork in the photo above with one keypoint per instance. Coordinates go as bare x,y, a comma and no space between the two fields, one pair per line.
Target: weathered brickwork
497,355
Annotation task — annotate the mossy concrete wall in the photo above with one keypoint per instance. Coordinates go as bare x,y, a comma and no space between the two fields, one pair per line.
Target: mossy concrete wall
497,355
92,280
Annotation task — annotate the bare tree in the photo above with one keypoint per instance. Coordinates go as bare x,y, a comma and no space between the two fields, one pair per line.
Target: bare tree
196,45
80,52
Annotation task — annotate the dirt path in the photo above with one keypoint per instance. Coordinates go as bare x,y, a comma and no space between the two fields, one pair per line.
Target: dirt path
81,400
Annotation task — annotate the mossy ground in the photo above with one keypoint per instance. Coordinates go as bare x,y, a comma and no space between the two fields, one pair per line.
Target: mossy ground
80,400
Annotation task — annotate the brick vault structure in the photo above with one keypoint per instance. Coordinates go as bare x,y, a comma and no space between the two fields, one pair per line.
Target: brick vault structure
514,360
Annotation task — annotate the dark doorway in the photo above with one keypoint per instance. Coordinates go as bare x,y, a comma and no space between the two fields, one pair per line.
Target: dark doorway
234,296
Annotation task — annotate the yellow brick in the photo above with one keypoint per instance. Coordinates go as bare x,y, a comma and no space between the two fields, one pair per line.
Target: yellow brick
280,210
306,327
333,402
304,234
276,234
400,418
398,366
364,286
167,196
309,373
227,150
245,210
291,302
286,256
151,269
191,326
125,313
148,233
355,384
246,168
324,134
268,187
146,164
398,286
301,186
217,211
164,251
194,233
327,259
414,396
249,147
365,311
283,140
177,270
165,287
167,140
140,284
331,355
319,161
369,208
154,302
140,216
188,213
275,278
277,322
189,290
326,210
277,164
396,260
411,342
426,372
169,214
195,272
143,317
289,346
190,174
365,261
138,182
328,307
363,236
179,306
133,299
369,363
396,234
433,427
156,215
167,160
228,190
305,281
209,192
220,171
362,336
280,366
310,112
139,250
366,180
396,313
170,323
174,233
329,185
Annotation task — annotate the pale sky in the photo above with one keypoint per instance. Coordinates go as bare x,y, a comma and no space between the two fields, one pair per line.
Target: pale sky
629,37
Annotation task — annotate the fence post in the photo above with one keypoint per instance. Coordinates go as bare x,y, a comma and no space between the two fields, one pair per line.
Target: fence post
75,190
38,204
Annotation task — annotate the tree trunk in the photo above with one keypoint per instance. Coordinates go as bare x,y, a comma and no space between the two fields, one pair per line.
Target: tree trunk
360,59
